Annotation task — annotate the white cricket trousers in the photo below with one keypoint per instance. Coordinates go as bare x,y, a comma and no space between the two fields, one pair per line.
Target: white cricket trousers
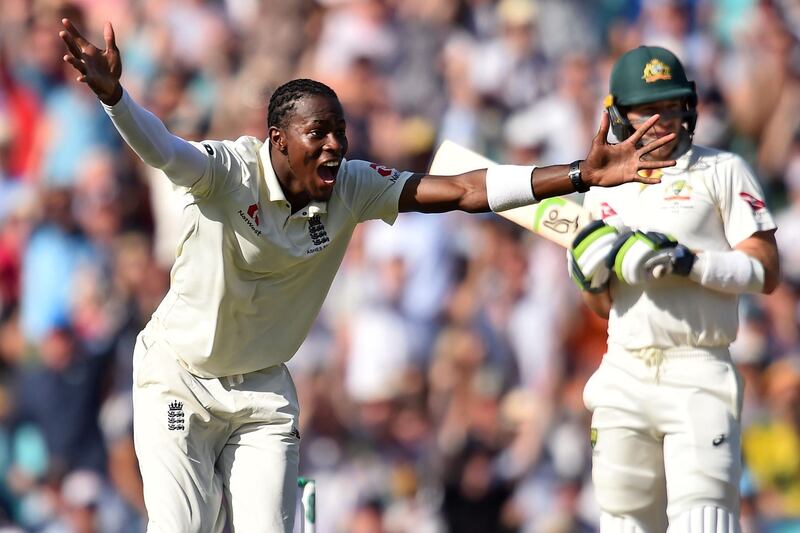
199,440
666,435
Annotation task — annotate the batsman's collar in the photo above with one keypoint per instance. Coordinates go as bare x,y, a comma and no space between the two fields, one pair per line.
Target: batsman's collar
275,191
683,162
687,157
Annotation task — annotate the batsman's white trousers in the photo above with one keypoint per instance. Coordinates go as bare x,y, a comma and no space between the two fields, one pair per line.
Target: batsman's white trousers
666,433
198,439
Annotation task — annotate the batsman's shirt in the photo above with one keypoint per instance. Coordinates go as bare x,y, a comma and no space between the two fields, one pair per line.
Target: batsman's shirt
709,201
250,276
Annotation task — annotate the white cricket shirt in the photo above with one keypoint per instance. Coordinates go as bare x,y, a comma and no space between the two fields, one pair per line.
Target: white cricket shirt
709,201
250,277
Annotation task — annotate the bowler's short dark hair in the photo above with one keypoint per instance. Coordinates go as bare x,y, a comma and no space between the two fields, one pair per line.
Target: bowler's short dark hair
283,100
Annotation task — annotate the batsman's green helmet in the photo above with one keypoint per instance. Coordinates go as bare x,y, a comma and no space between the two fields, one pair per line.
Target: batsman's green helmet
644,75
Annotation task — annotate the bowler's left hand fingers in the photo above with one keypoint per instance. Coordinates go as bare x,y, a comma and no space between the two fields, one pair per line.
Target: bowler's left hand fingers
658,143
637,135
72,46
79,65
74,34
646,179
602,133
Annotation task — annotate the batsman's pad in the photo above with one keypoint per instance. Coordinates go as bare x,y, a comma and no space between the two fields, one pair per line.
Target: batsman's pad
619,524
705,519
586,257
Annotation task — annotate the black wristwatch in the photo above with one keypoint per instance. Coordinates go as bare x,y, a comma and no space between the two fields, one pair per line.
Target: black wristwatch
575,176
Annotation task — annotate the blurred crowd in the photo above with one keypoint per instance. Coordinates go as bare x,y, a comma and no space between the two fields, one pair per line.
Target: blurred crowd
441,385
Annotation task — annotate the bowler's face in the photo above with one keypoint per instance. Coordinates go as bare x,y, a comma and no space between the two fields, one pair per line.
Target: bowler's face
316,143
671,112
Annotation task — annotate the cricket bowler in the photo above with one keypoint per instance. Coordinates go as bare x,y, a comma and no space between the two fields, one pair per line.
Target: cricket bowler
667,268
215,409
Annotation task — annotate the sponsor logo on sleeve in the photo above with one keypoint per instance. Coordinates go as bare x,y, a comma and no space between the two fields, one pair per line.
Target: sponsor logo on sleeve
606,211
386,172
209,149
756,204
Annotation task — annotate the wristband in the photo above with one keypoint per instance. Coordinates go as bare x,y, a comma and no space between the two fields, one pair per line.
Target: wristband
509,186
732,272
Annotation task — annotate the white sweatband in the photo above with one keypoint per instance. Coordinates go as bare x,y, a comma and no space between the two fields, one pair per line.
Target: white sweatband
732,272
509,186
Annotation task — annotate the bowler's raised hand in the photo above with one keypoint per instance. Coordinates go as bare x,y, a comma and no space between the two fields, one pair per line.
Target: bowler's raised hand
613,164
99,69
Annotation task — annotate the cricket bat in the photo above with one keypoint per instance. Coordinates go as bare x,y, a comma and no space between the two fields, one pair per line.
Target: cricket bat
555,219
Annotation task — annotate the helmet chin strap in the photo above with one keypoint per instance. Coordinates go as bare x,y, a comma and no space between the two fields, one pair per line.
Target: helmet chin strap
683,145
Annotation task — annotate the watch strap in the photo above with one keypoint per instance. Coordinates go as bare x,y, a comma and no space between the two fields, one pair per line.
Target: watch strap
575,177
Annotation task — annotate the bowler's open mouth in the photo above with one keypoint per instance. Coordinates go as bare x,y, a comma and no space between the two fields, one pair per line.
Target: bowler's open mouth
328,170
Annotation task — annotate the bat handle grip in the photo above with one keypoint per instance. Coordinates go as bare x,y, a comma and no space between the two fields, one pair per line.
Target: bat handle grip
659,271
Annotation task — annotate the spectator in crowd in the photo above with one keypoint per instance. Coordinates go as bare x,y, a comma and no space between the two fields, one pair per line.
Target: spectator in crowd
473,416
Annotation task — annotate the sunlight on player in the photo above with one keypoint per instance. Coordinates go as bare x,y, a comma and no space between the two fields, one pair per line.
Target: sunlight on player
264,232
666,399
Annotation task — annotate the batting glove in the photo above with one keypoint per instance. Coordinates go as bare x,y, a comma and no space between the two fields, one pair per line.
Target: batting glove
586,257
639,257
677,261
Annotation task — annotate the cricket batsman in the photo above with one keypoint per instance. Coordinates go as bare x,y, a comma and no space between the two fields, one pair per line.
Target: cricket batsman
666,399
264,232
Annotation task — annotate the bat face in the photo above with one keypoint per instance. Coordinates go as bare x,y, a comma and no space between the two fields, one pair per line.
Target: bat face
555,219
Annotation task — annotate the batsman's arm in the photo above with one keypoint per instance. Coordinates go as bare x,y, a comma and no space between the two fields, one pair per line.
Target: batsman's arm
751,267
507,186
749,228
598,302
762,247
